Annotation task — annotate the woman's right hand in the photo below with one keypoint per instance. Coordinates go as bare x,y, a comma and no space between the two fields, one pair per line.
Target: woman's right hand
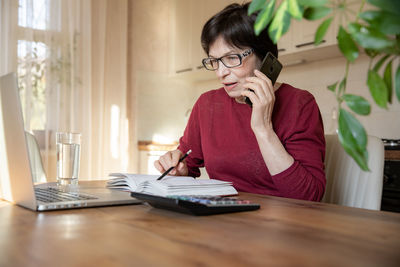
171,159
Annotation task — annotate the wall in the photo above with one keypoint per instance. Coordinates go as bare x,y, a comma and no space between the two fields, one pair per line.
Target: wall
163,106
159,102
148,45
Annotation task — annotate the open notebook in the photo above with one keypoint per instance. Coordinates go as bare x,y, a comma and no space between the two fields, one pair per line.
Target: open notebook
170,185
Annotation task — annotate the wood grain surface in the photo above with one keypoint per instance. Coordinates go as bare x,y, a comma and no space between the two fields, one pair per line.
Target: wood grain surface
284,232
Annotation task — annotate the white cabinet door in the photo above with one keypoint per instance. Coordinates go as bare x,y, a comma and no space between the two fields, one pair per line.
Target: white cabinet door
304,32
199,19
202,11
285,44
189,19
182,37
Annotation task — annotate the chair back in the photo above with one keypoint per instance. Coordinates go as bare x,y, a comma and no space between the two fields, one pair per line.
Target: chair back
35,159
346,183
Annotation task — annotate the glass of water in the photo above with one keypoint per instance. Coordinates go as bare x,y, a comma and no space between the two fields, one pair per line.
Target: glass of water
68,157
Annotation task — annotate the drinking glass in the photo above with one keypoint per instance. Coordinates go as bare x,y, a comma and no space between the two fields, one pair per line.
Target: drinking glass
68,157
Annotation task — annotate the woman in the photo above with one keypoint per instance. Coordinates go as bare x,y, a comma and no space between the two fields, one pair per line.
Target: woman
276,147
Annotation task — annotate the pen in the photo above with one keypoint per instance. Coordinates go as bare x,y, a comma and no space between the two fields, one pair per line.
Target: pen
170,169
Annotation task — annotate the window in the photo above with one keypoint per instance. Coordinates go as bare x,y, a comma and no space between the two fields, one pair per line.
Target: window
37,31
32,14
32,82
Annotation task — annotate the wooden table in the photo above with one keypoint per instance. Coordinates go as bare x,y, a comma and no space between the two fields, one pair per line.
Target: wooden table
283,232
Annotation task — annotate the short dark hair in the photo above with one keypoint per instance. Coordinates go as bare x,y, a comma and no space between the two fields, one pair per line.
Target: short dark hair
236,27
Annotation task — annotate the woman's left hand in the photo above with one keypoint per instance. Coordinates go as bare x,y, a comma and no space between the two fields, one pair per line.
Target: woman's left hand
263,99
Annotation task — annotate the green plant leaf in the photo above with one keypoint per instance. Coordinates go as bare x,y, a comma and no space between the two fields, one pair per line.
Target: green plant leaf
314,13
358,104
313,3
347,45
264,17
397,82
353,138
321,31
387,77
369,38
295,10
280,23
391,6
387,23
255,6
377,88
380,62
332,87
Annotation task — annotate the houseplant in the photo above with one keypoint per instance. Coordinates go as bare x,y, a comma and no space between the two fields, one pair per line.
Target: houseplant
376,31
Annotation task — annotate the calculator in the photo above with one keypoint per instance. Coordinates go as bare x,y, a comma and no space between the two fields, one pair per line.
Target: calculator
198,205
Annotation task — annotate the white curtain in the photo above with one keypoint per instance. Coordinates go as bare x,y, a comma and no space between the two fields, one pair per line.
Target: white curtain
72,70
8,39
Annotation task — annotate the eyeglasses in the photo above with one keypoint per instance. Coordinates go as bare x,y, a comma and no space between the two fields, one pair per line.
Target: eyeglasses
229,61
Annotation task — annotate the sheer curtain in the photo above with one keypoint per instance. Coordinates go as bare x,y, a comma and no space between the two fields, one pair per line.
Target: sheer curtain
71,60
8,39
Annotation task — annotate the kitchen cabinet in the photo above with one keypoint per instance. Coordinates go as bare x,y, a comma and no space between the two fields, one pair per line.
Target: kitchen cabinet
285,44
303,33
203,11
182,39
189,19
296,46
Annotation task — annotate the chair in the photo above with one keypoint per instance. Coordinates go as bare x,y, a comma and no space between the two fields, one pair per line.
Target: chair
35,159
346,183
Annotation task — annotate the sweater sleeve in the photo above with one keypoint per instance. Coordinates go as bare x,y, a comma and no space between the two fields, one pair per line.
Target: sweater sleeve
305,178
191,139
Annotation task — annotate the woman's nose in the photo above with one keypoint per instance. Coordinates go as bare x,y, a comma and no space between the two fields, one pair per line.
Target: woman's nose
222,71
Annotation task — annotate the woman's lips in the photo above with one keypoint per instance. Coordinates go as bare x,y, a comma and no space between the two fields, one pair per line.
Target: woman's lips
229,86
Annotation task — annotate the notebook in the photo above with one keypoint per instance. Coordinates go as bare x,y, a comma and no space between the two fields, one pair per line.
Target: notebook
15,157
170,185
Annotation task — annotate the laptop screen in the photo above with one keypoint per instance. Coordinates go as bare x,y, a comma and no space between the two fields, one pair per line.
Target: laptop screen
16,181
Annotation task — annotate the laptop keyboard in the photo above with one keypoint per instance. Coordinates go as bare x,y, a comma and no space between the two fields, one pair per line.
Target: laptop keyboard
51,194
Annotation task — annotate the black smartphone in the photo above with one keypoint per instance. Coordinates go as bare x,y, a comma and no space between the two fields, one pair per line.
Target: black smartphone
271,67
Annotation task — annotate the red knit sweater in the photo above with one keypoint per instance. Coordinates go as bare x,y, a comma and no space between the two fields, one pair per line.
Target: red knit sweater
220,137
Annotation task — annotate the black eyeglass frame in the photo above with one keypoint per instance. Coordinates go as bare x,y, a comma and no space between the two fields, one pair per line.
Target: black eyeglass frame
241,56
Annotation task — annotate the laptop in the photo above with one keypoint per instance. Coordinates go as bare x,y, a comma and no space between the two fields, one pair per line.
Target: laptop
14,150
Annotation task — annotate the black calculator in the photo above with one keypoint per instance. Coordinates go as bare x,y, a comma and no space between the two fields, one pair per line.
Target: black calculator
198,205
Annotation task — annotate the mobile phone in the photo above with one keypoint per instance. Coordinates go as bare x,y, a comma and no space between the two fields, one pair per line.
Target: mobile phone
271,67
